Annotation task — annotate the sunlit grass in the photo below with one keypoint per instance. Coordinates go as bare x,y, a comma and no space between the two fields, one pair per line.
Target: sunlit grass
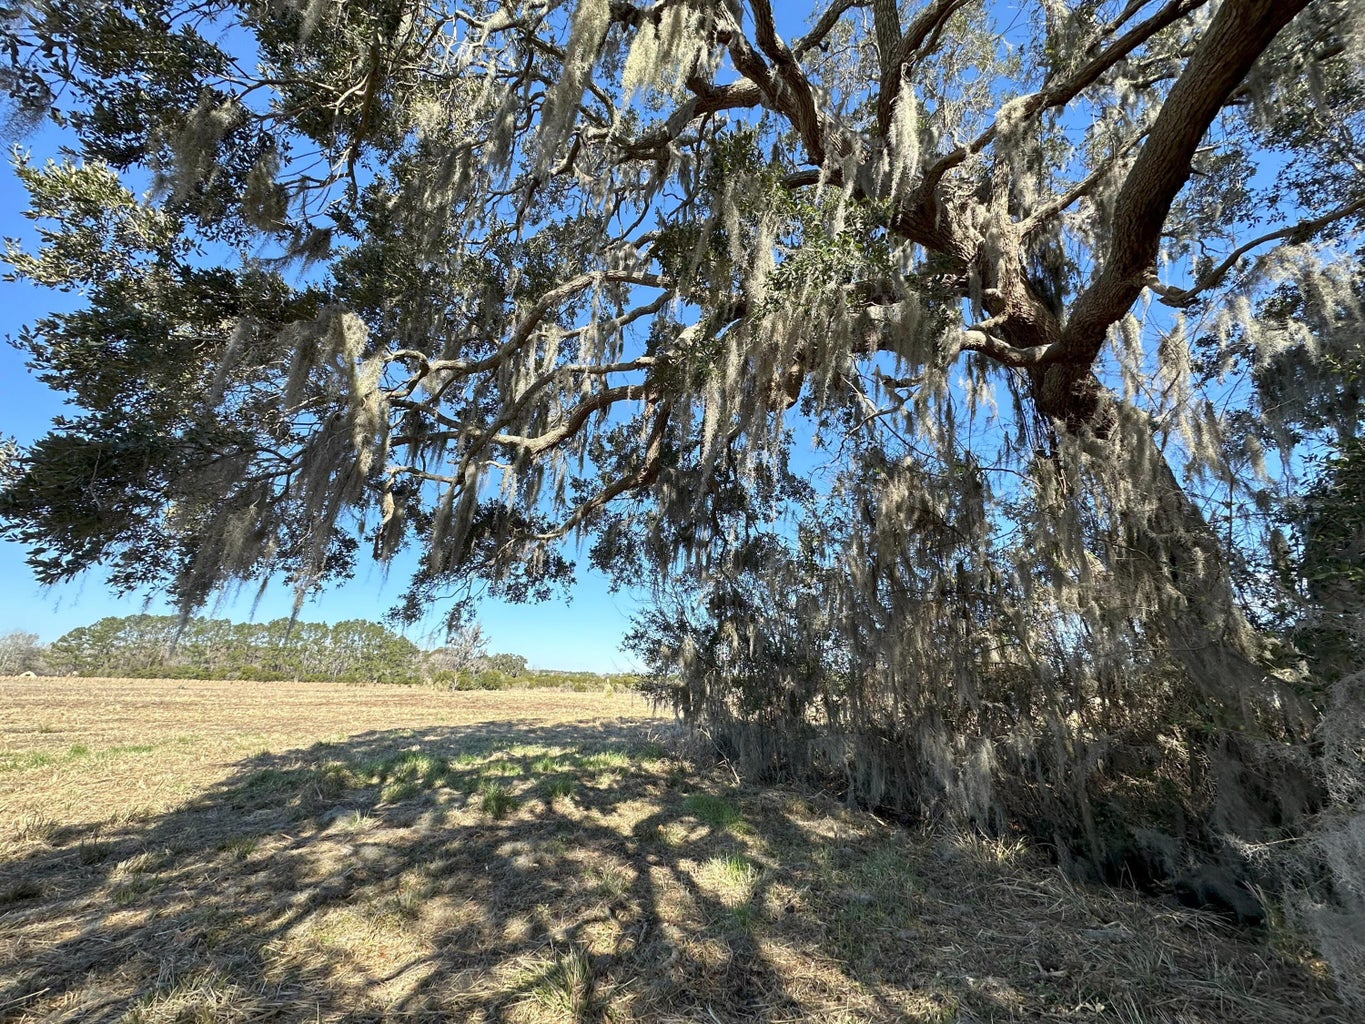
496,800
393,870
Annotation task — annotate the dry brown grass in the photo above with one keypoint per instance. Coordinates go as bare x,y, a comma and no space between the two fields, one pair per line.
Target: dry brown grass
213,852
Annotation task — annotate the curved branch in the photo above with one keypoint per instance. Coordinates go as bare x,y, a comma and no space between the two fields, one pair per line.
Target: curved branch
573,423
1238,35
1026,108
642,477
1082,188
824,25
1180,297
786,88
460,368
901,49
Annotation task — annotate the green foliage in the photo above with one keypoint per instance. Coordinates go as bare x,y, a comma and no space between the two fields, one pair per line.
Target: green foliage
1331,563
556,789
507,664
535,679
713,810
849,343
165,421
150,646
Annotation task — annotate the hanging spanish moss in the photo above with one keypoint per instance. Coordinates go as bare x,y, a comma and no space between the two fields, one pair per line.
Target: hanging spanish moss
973,396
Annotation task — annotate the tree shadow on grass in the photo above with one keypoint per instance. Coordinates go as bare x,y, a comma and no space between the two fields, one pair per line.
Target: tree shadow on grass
523,872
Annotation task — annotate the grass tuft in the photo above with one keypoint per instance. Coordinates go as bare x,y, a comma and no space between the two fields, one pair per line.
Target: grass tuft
548,764
556,789
496,800
565,985
603,761
732,878
36,827
713,810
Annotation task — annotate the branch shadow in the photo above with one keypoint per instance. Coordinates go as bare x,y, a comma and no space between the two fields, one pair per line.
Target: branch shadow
494,873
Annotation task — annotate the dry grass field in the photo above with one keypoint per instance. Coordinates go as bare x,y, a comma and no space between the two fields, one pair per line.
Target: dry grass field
210,852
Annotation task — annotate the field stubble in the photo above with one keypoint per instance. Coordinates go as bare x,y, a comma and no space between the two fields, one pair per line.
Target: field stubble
214,852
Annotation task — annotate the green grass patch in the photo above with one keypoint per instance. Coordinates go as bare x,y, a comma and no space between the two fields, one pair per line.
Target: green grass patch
605,762
407,765
271,780
18,762
547,763
28,760
25,761
241,848
733,880
403,789
712,810
399,776
556,789
503,767
648,750
496,800
564,984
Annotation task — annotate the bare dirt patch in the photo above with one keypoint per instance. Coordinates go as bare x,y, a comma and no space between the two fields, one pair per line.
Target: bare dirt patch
213,852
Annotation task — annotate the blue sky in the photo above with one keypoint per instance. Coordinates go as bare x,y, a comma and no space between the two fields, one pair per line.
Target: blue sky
583,634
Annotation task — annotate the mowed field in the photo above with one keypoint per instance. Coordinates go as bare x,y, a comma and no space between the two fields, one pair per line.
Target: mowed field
198,853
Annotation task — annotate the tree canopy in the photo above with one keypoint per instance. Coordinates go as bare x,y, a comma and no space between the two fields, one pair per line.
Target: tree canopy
156,646
952,363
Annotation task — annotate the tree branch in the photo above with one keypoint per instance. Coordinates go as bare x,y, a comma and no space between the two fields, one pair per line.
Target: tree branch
824,25
642,477
902,49
1239,33
1057,204
795,97
1026,108
1181,297
573,422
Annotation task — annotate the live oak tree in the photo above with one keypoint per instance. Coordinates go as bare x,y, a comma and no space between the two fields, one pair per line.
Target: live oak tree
919,341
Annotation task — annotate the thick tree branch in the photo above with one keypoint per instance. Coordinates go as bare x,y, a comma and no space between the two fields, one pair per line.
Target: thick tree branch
789,89
900,50
1237,36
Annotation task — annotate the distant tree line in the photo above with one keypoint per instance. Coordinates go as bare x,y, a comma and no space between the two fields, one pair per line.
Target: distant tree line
355,651
163,645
